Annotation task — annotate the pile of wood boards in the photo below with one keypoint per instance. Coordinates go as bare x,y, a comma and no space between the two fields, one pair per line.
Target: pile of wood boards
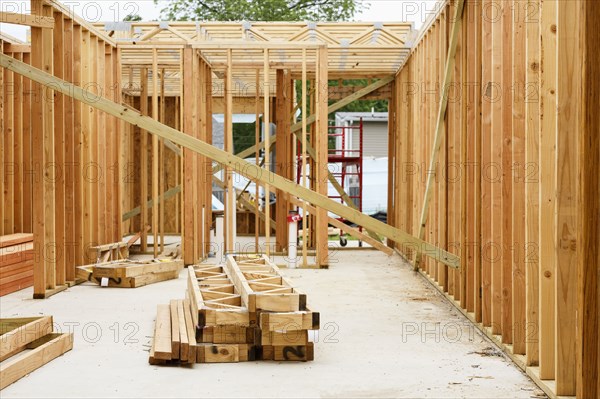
27,344
130,273
16,262
244,310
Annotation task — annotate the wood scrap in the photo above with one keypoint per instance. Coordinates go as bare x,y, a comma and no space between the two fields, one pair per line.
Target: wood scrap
131,274
27,344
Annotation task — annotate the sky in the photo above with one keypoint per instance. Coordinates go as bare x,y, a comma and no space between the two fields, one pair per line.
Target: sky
415,11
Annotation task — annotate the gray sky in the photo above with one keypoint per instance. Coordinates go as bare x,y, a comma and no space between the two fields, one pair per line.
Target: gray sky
110,10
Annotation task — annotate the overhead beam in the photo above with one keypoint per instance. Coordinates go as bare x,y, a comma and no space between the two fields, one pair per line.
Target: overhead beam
439,127
35,21
244,168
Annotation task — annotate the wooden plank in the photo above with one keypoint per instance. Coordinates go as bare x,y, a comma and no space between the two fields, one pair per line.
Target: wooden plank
507,179
71,142
477,169
188,166
78,122
190,328
27,144
184,348
568,125
281,353
532,193
36,21
547,160
50,347
519,144
144,160
289,321
588,231
284,158
494,250
15,239
59,150
155,212
439,122
230,203
18,149
162,333
17,333
222,353
7,141
241,166
41,149
267,135
321,147
175,337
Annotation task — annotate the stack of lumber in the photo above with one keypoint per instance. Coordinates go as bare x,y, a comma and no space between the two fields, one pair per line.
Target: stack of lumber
16,262
277,310
130,273
244,310
28,343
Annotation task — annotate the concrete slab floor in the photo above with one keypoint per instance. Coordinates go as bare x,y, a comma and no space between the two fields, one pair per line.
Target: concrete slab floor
385,333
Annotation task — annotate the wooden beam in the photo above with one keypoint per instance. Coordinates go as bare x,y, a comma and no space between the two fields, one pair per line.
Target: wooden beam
437,142
547,165
144,161
532,191
519,37
230,203
267,135
188,157
43,154
35,21
43,351
241,166
321,171
588,227
568,120
155,181
304,148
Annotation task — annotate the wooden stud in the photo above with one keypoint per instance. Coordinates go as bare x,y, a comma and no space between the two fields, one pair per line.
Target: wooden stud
267,137
588,225
155,182
531,179
304,174
321,146
494,173
519,38
71,142
547,160
507,177
59,150
230,203
568,119
144,161
188,127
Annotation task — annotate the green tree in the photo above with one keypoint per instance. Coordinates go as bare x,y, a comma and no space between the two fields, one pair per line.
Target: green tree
260,10
133,18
